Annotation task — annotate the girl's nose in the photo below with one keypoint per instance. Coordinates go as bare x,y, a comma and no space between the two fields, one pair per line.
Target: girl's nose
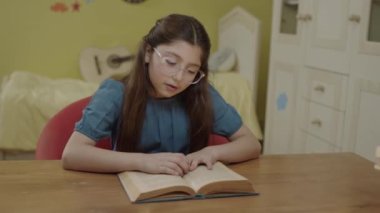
178,75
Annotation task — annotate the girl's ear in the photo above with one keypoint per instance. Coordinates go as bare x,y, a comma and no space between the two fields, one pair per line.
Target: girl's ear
148,53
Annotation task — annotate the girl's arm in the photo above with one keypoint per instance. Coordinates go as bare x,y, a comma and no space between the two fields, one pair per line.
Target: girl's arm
81,154
243,146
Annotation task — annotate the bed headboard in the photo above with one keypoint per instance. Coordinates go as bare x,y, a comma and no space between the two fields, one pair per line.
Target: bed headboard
240,31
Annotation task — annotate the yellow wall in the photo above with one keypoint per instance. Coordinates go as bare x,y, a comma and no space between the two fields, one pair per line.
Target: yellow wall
35,39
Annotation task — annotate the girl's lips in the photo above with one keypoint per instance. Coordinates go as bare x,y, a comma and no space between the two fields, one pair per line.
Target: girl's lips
171,87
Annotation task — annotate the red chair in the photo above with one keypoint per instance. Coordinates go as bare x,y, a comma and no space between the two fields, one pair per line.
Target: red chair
217,140
59,128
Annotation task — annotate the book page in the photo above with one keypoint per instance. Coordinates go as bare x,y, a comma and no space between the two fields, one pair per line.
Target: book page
151,182
202,176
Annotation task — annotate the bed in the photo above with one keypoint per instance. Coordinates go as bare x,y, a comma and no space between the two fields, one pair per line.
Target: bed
28,100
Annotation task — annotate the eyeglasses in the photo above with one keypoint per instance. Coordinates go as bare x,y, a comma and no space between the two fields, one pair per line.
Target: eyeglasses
172,67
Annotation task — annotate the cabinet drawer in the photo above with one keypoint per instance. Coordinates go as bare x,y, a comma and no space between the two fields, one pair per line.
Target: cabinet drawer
323,122
326,88
316,145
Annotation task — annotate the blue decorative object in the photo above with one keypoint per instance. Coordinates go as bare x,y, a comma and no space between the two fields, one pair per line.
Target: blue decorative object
282,101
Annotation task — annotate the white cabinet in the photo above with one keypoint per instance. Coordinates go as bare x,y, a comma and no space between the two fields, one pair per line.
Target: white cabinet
362,130
283,88
324,78
327,34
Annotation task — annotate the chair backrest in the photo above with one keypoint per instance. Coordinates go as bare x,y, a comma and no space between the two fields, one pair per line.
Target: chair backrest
59,128
217,140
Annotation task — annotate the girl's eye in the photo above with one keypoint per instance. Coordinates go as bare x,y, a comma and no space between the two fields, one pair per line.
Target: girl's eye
192,72
170,61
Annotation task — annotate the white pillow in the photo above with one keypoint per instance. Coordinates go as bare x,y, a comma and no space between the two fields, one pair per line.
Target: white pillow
223,60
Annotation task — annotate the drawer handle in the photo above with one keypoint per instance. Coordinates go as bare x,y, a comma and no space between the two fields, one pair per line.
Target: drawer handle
354,18
320,88
317,122
308,17
304,17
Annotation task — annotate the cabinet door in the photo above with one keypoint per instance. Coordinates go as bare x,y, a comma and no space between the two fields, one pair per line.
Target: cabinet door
369,29
363,124
285,62
288,19
281,109
363,117
327,31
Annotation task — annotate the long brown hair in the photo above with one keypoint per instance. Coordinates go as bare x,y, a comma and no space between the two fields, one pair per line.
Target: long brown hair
195,98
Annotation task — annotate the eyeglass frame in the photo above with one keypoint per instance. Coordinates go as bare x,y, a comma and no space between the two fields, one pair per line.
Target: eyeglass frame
200,72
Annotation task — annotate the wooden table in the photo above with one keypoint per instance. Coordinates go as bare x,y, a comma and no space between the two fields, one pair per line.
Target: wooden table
341,182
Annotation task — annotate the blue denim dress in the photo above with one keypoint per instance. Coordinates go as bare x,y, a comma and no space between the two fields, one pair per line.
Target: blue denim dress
166,124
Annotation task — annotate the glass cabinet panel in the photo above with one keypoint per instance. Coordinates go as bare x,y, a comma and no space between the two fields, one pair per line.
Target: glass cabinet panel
374,22
289,11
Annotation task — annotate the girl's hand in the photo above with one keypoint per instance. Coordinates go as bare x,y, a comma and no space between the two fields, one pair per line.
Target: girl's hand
206,156
165,163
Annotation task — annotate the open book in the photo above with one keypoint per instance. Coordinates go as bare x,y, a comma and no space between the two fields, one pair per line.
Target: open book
201,183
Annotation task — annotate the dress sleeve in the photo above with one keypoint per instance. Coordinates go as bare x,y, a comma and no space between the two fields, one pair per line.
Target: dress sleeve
226,119
102,113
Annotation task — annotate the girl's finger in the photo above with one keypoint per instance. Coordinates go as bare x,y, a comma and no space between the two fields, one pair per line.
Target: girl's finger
167,170
193,165
175,167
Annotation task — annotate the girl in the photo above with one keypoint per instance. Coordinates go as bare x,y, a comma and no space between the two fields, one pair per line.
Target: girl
161,115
